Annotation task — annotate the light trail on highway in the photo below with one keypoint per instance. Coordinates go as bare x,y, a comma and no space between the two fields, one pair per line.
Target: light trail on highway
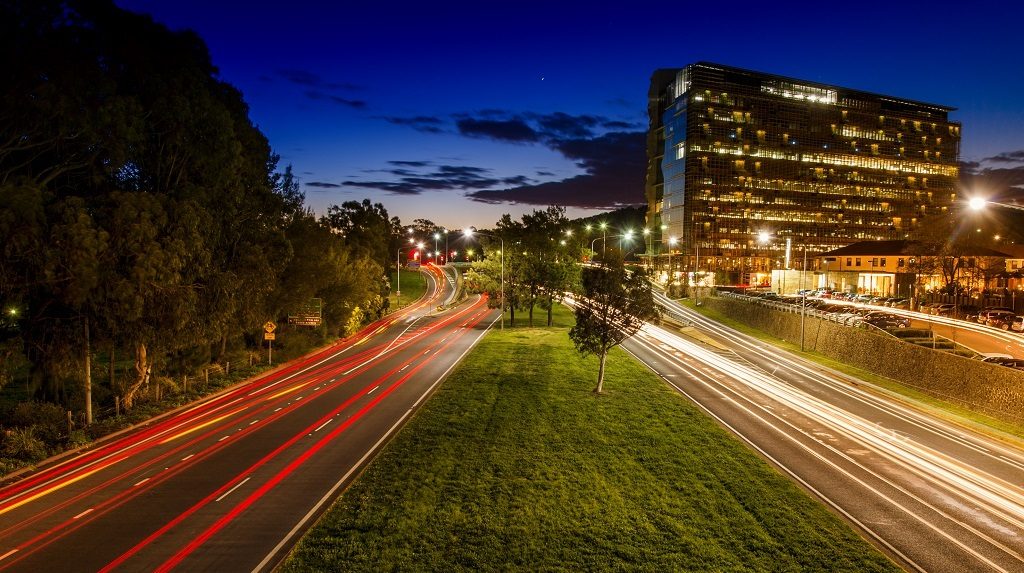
230,482
935,496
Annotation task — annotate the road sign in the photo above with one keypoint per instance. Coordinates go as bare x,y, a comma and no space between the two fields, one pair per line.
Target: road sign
269,336
269,327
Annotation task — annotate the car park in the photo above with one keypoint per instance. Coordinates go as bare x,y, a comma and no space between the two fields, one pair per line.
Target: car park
942,309
899,303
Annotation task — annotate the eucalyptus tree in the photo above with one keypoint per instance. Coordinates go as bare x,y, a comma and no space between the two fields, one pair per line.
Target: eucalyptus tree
613,305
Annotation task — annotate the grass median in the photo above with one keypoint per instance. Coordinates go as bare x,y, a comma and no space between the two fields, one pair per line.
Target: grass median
514,464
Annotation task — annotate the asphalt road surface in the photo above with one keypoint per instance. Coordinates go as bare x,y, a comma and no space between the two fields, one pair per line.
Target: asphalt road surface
935,496
229,483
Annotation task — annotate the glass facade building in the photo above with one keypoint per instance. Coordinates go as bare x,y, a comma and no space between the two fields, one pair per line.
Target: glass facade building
735,154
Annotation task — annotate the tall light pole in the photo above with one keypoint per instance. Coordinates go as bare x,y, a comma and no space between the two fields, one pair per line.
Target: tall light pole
628,235
604,235
437,237
398,273
469,233
647,244
671,242
765,237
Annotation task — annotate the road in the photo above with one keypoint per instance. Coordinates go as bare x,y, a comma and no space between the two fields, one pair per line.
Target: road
934,496
229,483
977,337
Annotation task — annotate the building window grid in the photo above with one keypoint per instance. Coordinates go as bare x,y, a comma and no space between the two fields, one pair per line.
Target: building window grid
782,192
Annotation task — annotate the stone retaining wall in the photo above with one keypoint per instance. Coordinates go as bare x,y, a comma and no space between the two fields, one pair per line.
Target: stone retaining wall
988,388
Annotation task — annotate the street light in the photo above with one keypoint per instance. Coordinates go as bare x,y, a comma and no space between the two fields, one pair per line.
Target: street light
469,233
671,243
647,243
764,238
437,237
628,235
604,233
398,273
979,204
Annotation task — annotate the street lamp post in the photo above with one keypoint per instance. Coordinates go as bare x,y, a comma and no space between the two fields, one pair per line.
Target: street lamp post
469,233
398,273
628,235
764,237
437,237
671,242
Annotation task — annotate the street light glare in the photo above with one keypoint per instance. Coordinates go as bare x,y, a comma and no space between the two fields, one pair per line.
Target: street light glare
672,240
764,236
977,203
468,232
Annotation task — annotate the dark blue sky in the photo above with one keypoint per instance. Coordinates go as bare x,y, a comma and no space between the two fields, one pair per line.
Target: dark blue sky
419,105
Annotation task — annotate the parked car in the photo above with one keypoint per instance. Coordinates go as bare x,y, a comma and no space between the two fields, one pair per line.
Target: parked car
1008,361
969,312
903,303
1018,324
1000,319
943,309
883,319
983,315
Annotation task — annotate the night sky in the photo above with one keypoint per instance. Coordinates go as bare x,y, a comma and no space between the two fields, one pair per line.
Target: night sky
459,112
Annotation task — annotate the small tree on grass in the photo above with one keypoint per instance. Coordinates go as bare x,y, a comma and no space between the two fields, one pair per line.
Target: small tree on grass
612,306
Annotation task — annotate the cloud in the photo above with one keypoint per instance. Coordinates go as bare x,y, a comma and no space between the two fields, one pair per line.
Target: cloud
309,79
562,125
614,165
508,130
424,123
1007,157
352,103
613,161
323,185
625,102
416,177
409,163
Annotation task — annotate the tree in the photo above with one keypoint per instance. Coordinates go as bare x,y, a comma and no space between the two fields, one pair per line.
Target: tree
613,304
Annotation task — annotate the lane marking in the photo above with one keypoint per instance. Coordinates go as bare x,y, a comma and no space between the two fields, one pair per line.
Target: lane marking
224,438
83,513
141,482
48,490
378,385
321,426
8,554
228,492
187,457
200,426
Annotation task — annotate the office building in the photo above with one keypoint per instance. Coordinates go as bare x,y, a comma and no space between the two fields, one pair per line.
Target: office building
735,154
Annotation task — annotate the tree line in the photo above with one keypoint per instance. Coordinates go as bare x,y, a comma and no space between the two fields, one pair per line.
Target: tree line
142,213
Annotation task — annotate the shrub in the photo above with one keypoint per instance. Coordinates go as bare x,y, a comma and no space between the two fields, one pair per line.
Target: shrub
23,444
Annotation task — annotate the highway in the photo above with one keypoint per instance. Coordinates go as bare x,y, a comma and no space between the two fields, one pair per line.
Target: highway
229,483
934,496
